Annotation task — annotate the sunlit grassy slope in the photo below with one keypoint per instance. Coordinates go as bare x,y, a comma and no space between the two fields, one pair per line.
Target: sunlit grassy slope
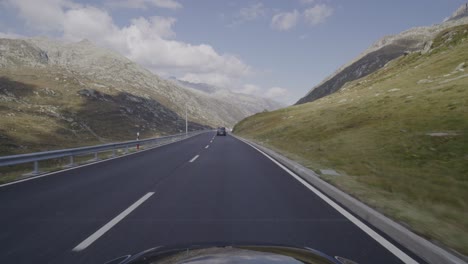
399,137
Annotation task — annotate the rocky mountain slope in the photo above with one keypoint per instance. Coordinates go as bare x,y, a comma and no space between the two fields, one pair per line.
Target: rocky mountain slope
55,95
381,52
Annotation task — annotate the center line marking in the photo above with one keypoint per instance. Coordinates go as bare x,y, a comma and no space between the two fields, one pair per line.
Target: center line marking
207,146
194,158
87,242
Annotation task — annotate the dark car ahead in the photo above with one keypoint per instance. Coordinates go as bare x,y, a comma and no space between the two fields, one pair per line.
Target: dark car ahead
221,131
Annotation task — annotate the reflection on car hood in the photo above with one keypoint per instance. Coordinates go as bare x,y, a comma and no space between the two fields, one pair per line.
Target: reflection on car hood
256,254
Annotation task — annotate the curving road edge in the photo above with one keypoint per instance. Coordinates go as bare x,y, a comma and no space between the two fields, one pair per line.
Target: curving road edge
418,245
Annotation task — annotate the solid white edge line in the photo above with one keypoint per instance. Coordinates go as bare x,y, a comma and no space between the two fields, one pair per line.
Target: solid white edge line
101,231
194,158
381,240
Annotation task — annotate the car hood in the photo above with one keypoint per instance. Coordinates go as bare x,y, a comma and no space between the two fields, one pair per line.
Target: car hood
232,254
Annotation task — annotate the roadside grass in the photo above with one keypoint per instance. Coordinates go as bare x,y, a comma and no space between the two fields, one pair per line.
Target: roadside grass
398,137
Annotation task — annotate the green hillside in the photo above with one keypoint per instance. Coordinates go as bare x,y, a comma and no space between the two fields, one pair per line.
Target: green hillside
44,109
398,137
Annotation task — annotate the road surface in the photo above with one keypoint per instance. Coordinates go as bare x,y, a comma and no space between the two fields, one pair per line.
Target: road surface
202,189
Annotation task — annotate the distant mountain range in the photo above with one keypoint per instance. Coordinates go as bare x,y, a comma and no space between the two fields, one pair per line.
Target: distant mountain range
55,94
235,106
383,51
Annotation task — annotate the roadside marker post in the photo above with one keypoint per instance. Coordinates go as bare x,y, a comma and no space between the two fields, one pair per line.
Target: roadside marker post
138,138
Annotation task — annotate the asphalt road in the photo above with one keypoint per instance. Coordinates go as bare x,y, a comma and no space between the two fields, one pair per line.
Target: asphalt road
182,193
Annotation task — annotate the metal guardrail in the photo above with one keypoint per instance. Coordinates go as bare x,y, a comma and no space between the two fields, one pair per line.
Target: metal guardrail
73,152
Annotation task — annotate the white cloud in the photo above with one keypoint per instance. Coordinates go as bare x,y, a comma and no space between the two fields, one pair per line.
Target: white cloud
156,26
87,22
317,14
252,12
285,20
171,4
143,4
251,89
313,16
277,93
147,41
45,15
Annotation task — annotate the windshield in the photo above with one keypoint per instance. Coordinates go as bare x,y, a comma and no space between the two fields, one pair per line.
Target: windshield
338,128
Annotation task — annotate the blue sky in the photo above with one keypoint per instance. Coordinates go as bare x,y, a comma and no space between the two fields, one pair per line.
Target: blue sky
278,48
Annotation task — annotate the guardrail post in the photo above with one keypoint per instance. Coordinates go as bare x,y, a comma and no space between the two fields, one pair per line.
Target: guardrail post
113,153
138,143
126,149
95,156
72,161
36,167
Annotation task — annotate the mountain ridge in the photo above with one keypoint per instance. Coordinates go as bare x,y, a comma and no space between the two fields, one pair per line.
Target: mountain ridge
249,103
383,51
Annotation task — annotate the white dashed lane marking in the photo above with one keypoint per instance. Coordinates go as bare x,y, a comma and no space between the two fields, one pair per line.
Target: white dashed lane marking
194,158
101,231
